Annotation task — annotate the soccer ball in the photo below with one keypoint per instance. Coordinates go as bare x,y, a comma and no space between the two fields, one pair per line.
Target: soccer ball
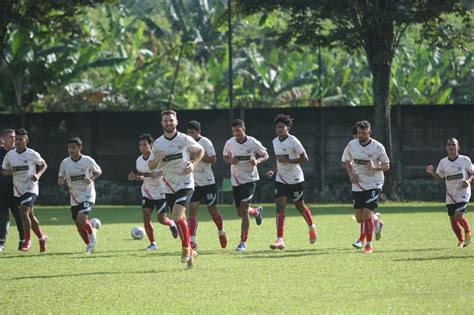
138,233
96,223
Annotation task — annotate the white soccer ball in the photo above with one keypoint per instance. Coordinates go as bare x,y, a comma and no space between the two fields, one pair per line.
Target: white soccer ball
96,223
138,233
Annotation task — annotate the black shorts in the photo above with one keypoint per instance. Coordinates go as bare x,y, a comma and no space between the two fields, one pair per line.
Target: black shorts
160,205
243,193
181,197
457,207
367,199
208,193
294,191
27,199
84,207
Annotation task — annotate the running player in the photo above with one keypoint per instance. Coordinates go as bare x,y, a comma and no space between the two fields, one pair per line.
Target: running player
172,151
289,180
457,171
378,223
80,171
204,186
153,192
240,152
366,160
7,198
22,163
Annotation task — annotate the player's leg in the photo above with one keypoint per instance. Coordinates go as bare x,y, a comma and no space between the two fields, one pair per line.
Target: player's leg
82,222
80,227
244,226
280,203
193,221
178,213
368,217
210,196
13,205
297,194
26,221
3,221
161,212
254,212
359,218
462,219
147,210
455,224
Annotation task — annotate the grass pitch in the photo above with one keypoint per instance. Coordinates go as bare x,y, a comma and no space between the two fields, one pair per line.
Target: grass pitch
415,267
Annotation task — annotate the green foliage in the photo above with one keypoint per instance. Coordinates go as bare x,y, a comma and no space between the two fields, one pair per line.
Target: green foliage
415,268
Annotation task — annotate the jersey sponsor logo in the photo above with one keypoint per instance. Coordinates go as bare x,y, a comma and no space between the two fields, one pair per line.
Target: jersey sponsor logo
173,157
361,162
453,177
20,168
78,177
243,157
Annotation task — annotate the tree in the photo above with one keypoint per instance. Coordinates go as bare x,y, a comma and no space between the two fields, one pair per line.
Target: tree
25,26
374,26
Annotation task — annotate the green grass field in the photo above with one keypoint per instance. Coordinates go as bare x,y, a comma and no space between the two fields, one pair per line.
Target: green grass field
415,268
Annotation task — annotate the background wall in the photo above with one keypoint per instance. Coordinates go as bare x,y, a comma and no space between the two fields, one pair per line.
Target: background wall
420,134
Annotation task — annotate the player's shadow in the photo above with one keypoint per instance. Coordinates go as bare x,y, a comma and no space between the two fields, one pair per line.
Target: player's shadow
37,255
434,258
269,254
88,274
432,249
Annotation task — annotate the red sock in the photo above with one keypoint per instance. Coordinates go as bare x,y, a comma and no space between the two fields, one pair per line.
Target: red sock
37,231
183,232
465,225
280,218
168,222
244,235
253,212
218,221
149,231
456,226
27,235
362,232
84,235
88,227
369,228
307,217
193,222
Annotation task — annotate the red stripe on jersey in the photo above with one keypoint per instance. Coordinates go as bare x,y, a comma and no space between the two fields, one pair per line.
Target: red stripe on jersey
282,178
148,194
169,185
17,190
236,180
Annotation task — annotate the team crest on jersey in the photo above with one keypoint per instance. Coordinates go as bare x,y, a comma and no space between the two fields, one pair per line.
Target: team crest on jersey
284,149
248,151
25,161
180,147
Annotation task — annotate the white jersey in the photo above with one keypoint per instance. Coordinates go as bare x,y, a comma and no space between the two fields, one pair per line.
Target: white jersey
455,172
23,164
360,155
243,172
152,188
291,148
203,174
75,172
174,154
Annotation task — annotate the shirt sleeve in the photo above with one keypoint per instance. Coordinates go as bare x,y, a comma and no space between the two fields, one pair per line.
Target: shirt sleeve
469,166
37,159
6,163
62,171
259,148
440,170
226,150
299,149
192,144
346,155
383,157
95,167
209,148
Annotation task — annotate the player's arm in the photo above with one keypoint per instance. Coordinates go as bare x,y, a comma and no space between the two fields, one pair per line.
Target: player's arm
155,159
381,167
350,172
6,168
209,159
8,172
228,158
133,176
41,169
430,170
272,170
303,158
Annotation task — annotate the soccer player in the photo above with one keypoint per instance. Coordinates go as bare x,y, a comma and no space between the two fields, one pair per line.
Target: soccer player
289,180
240,152
366,160
22,163
153,192
378,223
172,151
457,171
80,171
204,186
7,199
